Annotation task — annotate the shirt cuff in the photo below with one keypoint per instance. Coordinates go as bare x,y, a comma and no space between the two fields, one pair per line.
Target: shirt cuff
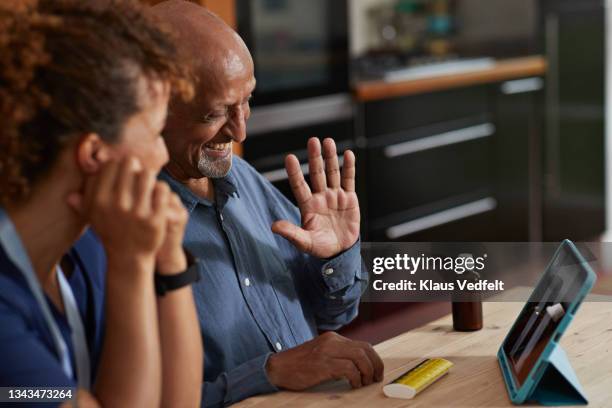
340,272
249,379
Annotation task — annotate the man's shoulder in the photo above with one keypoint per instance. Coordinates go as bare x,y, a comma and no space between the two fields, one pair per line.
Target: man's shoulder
241,167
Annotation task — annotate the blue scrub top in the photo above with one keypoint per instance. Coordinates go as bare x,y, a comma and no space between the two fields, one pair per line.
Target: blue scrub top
28,356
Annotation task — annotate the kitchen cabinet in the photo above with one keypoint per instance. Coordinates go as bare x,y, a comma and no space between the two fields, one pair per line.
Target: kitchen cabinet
461,164
518,107
574,184
454,165
428,164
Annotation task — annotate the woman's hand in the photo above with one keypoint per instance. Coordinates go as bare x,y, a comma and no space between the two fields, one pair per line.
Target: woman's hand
171,256
127,208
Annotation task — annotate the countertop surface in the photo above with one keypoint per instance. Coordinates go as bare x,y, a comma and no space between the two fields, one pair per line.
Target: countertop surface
476,379
500,70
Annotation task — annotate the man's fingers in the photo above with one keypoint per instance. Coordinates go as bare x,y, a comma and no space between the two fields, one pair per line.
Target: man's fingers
332,167
348,171
362,354
342,368
315,165
377,363
294,234
300,188
361,360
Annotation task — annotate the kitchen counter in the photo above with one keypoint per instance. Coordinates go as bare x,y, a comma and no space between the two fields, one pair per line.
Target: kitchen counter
502,70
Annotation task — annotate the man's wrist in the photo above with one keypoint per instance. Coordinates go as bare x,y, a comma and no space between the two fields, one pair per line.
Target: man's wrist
272,370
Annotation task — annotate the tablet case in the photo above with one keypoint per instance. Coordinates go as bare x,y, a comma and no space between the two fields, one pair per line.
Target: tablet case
559,384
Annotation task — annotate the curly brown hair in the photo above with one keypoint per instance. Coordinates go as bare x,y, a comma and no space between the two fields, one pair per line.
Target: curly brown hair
69,67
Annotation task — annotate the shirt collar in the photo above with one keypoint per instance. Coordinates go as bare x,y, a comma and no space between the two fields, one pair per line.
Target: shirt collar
225,187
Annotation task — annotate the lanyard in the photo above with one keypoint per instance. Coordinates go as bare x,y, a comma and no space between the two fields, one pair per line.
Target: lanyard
9,239
79,339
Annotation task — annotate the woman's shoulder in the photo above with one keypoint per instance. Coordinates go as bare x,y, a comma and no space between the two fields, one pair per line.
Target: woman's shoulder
17,304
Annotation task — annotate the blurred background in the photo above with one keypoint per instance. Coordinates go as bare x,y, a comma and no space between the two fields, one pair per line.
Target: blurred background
472,120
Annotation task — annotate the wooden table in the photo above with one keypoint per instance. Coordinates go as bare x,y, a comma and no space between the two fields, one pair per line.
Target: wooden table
475,380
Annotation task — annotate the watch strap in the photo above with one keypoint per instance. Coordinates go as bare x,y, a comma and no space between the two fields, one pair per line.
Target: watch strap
167,283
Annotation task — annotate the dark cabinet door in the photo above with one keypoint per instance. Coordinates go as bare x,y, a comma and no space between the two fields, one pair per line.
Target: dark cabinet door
429,165
518,164
574,204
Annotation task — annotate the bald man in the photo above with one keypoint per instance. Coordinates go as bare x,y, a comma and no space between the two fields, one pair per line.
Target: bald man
273,275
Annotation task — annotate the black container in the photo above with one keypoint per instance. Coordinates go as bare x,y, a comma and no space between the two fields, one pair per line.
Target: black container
467,316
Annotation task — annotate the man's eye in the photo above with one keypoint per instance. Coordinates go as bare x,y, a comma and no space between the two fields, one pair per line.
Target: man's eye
213,117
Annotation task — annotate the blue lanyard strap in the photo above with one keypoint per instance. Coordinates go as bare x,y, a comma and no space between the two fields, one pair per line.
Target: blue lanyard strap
10,241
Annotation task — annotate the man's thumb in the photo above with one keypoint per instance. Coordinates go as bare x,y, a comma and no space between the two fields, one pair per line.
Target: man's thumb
294,234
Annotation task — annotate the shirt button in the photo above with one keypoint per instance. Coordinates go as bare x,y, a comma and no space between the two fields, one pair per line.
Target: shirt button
221,217
247,282
328,271
278,346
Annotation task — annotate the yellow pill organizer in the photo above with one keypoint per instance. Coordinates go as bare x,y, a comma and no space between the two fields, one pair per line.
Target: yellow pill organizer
417,379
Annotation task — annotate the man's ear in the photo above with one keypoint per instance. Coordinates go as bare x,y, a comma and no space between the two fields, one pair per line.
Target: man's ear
91,152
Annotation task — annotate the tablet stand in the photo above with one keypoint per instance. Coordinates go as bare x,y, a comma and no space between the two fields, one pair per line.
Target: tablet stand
559,384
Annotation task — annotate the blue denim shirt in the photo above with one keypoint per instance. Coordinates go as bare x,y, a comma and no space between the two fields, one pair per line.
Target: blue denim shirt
258,294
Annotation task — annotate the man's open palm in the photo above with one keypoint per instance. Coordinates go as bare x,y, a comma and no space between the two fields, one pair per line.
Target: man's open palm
330,211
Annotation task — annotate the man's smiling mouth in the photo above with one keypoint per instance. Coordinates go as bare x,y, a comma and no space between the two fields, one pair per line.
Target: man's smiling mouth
218,146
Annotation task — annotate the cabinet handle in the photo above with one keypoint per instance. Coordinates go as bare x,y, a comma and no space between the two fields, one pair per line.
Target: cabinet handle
305,112
439,140
519,86
281,174
442,217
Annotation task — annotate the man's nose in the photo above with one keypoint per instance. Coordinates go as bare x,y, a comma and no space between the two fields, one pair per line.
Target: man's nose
236,125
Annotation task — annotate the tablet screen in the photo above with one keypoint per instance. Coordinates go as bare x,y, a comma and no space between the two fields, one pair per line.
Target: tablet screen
543,312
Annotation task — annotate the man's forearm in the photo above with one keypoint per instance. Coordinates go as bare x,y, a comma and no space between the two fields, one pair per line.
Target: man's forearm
131,342
244,381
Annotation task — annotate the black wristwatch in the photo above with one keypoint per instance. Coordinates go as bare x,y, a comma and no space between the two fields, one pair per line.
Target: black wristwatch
167,283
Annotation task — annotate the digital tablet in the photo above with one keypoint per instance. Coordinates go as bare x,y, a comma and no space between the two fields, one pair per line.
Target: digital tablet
551,307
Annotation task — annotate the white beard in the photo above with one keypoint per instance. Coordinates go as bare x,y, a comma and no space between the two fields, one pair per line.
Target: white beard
212,168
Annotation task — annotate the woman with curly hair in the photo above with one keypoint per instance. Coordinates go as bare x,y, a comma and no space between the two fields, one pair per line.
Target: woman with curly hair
84,88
